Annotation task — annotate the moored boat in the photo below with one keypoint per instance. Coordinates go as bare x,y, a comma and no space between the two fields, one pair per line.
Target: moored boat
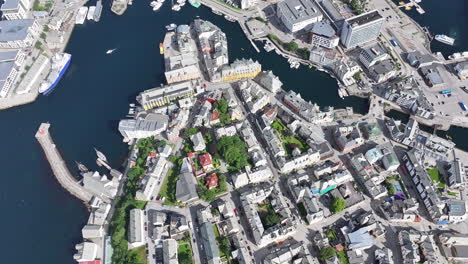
60,63
81,15
445,39
91,11
194,3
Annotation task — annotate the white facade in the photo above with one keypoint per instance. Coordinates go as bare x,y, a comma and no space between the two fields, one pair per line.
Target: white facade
298,14
151,125
245,4
361,29
345,70
15,9
326,42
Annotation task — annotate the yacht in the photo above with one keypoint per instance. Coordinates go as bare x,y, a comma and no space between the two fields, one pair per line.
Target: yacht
445,39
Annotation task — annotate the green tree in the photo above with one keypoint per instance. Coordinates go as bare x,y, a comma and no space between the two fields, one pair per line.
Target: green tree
272,219
234,151
191,131
338,205
221,105
291,46
326,253
184,258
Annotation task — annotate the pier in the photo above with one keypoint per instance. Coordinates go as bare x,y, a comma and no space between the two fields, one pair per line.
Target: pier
61,172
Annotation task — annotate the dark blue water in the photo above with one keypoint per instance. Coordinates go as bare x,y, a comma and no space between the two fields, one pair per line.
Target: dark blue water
41,222
445,17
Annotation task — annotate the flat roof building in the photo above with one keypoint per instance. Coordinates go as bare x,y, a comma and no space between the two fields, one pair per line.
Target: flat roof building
136,232
324,35
298,14
151,125
15,9
18,33
160,96
361,29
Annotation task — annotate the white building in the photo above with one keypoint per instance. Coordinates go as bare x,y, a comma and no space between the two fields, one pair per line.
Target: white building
198,142
150,125
253,95
246,4
323,35
15,9
345,70
92,231
87,251
462,69
298,14
136,231
361,29
269,81
18,33
170,251
369,56
251,176
9,64
99,185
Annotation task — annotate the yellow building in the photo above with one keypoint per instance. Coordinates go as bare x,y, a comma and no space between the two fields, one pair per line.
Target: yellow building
241,69
160,96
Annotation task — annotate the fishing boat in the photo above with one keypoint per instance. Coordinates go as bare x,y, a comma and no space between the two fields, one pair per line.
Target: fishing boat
194,3
110,51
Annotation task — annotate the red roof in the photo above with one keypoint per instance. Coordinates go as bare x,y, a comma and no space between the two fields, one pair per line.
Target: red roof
91,262
205,159
211,181
214,116
153,154
191,154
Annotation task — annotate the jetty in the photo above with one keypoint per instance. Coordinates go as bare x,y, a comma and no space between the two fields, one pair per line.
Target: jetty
61,172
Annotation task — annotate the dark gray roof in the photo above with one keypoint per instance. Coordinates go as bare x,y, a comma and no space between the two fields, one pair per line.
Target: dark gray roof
324,29
185,189
382,67
364,18
11,30
209,241
299,10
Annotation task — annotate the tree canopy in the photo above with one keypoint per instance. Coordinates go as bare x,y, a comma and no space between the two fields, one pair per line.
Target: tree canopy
326,253
338,205
233,150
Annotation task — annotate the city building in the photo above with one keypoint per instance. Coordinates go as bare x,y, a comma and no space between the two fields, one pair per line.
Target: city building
253,95
198,142
186,191
369,56
454,247
160,96
455,173
143,127
9,64
240,69
308,111
149,182
246,4
431,75
418,60
383,256
251,176
269,81
170,251
294,252
323,35
361,29
18,33
15,9
86,251
211,181
417,246
182,74
382,71
136,231
99,185
298,14
345,71
348,137
210,246
92,231
462,69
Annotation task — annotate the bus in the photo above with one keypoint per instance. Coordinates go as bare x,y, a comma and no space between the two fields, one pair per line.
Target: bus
394,43
446,92
463,106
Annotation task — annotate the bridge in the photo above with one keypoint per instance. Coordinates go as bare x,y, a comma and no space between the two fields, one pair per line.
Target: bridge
61,172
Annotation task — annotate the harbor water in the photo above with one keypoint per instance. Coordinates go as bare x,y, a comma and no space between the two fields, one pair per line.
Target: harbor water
42,222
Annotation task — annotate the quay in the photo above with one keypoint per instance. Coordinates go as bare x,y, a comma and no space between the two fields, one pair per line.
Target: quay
61,172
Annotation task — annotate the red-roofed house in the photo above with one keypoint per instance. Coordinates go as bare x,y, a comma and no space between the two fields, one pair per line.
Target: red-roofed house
211,181
214,119
91,262
206,162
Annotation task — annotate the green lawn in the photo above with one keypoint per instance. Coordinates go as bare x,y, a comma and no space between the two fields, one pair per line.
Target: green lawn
331,234
452,193
342,256
168,187
184,253
138,255
434,173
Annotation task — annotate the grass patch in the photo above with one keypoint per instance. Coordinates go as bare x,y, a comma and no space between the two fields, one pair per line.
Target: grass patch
452,193
184,254
342,257
137,255
436,178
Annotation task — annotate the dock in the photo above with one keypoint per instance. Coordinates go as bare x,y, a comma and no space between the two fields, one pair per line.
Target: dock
61,172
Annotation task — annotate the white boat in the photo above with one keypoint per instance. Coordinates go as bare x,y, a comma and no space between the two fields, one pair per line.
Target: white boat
81,15
130,2
176,7
171,27
160,1
445,39
110,51
153,3
180,1
98,11
157,6
182,4
340,93
91,11
268,47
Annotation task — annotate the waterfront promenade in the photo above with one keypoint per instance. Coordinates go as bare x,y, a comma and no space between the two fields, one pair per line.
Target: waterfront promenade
61,172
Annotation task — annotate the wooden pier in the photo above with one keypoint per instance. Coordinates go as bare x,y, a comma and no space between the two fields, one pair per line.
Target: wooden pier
61,172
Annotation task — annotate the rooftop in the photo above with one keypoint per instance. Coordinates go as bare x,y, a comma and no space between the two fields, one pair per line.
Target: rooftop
12,30
324,29
364,18
299,10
